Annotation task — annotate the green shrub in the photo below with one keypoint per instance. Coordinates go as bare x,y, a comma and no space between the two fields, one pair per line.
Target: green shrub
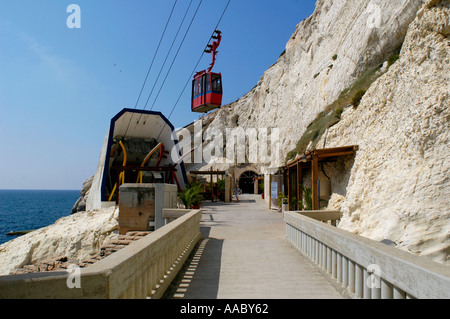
281,198
192,195
316,135
358,97
338,112
221,185
392,59
332,114
313,133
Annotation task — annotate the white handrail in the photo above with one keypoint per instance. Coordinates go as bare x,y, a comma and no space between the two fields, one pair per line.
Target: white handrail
366,268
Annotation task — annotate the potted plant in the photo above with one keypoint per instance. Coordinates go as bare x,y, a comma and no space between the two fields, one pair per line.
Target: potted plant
191,196
282,201
221,187
261,189
285,204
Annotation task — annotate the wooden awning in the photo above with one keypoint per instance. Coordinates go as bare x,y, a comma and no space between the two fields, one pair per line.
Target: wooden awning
313,158
322,154
207,173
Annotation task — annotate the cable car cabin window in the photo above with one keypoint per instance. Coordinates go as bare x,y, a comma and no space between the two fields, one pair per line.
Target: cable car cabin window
208,82
216,83
197,87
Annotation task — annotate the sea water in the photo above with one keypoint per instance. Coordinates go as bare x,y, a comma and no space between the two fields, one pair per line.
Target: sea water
23,210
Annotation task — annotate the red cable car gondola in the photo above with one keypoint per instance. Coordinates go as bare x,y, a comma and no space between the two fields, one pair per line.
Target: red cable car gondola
207,86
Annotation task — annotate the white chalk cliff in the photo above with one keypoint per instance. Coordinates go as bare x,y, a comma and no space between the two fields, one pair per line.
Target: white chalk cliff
326,54
397,187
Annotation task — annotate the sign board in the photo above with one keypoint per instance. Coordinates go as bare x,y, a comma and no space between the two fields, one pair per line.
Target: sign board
274,190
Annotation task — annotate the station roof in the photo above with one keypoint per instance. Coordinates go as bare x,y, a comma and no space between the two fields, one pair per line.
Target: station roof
322,154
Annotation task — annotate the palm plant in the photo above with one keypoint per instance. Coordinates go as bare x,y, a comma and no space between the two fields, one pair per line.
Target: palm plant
191,196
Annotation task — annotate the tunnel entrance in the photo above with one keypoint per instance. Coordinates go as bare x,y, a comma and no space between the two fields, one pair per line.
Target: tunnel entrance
247,182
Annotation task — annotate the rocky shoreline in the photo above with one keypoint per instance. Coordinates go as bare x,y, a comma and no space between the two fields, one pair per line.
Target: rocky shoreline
62,263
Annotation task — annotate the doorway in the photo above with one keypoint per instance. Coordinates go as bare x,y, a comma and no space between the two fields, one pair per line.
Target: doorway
247,182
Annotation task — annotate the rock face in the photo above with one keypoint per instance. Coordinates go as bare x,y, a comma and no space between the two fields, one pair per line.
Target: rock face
76,237
80,205
399,185
325,55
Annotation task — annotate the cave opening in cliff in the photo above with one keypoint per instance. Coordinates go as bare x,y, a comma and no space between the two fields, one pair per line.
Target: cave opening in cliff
247,182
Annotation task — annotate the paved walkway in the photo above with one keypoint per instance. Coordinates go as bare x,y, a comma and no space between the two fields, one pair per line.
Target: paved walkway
244,255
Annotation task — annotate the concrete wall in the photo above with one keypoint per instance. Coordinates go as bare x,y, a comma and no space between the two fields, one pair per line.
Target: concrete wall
141,205
143,269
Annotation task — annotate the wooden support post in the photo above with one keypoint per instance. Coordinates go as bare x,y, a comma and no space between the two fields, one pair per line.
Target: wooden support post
270,191
212,190
315,182
289,176
299,186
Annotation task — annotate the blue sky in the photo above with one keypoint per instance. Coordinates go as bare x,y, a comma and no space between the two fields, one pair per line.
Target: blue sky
59,87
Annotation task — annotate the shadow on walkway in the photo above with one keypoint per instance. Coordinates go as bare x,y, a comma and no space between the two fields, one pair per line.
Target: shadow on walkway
199,277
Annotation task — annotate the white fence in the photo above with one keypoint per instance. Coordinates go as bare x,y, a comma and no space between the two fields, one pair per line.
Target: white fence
366,268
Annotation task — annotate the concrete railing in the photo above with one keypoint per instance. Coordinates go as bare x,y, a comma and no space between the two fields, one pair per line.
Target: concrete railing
143,269
171,214
327,216
365,268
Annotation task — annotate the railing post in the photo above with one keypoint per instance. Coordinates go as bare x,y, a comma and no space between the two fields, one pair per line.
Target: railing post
351,276
317,249
376,289
329,261
339,268
367,289
359,284
344,271
398,293
333,264
386,290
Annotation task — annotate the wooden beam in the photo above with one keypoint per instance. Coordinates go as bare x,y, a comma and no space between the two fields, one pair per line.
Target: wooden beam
335,154
336,150
207,173
315,183
324,153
